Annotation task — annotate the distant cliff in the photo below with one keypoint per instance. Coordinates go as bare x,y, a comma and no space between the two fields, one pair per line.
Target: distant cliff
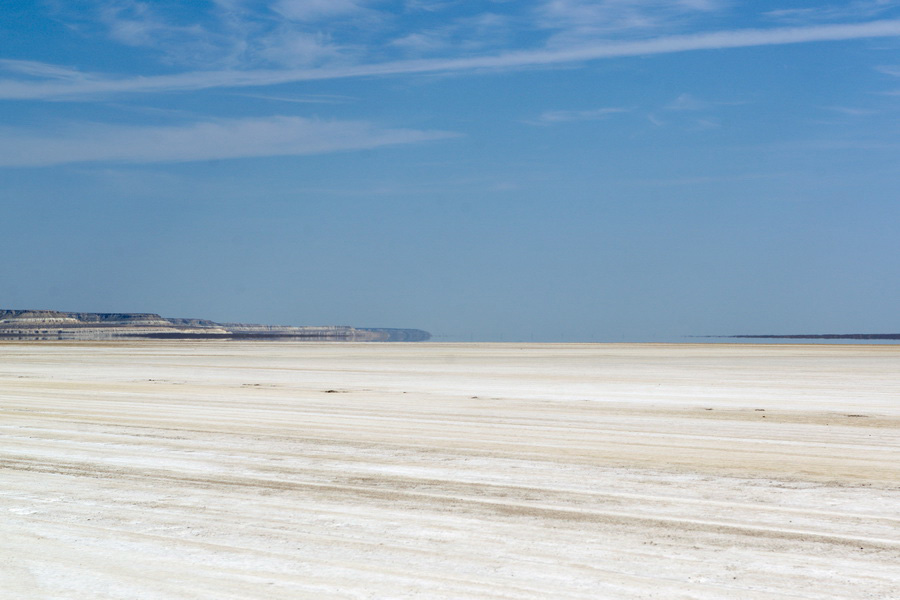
55,325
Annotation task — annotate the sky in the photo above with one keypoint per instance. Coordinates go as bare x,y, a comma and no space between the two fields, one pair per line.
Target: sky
494,170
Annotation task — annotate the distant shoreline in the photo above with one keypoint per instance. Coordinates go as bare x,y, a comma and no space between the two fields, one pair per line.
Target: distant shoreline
813,336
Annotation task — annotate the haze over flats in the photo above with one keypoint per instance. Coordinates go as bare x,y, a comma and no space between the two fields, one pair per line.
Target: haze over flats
535,170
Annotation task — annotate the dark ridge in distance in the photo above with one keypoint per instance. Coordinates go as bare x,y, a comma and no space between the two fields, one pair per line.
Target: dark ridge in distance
813,336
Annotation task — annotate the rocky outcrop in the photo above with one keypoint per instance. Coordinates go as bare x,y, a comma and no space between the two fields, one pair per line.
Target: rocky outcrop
54,325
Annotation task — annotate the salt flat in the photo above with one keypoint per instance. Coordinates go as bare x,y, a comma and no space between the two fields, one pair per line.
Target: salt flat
220,470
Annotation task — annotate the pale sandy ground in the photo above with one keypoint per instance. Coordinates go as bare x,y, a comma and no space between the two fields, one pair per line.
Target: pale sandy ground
230,470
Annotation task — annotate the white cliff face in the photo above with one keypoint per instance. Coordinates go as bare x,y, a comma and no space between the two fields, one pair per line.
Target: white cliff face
38,318
43,324
53,325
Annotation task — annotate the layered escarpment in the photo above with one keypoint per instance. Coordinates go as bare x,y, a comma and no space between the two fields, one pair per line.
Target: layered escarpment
55,325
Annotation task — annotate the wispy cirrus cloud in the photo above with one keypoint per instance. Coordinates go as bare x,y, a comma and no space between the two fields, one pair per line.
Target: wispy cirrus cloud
893,70
223,33
858,9
207,140
313,10
486,30
175,37
91,85
303,99
851,111
136,24
581,19
551,117
39,70
428,5
689,102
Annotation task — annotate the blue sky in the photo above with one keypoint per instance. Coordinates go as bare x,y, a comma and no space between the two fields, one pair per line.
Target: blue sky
554,170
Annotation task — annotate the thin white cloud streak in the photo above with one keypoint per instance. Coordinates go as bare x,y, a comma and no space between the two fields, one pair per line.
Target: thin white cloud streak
310,10
850,111
32,68
92,85
304,99
861,9
574,19
687,102
711,179
551,117
211,140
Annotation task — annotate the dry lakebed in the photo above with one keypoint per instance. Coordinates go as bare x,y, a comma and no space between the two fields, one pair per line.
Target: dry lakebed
281,470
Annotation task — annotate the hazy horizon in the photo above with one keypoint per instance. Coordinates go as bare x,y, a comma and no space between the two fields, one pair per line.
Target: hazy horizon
554,170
